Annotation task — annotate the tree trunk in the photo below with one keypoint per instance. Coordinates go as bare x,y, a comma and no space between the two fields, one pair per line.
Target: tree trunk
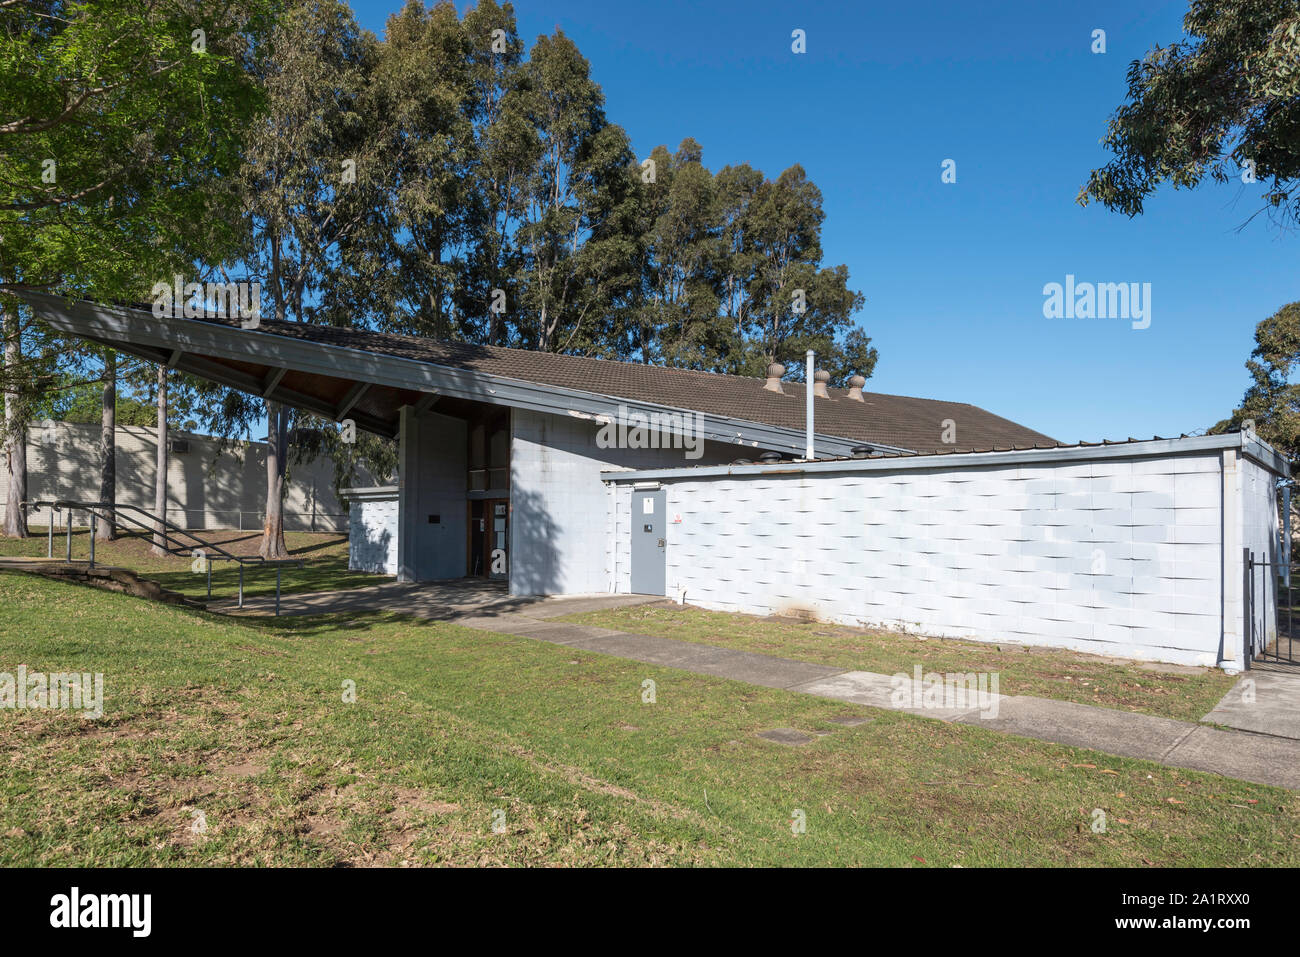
15,433
106,531
160,475
277,447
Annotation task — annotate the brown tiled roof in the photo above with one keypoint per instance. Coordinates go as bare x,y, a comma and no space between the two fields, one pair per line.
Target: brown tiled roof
894,420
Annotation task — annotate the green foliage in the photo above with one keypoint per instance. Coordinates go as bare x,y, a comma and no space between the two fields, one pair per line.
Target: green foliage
117,136
298,201
79,402
71,399
120,129
355,456
418,94
1225,97
731,275
1273,399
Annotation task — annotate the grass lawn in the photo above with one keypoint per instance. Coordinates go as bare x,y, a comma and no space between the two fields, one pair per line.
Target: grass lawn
1182,693
325,555
453,730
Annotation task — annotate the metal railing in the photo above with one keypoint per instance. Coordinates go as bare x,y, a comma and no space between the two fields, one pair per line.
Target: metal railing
160,528
231,520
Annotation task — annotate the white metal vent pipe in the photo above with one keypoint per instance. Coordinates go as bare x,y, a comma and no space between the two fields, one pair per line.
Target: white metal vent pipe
812,357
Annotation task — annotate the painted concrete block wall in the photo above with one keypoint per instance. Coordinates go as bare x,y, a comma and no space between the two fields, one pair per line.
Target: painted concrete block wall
559,519
432,517
1116,557
205,487
372,536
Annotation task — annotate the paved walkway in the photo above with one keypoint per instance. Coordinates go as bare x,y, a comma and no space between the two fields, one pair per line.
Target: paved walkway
1266,701
1266,750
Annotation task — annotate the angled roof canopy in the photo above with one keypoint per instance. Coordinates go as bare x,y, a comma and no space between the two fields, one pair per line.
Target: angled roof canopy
368,376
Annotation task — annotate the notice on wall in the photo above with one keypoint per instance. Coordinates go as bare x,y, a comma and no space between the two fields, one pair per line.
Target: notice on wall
648,505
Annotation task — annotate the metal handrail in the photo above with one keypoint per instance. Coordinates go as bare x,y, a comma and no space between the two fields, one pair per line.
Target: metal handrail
152,525
159,527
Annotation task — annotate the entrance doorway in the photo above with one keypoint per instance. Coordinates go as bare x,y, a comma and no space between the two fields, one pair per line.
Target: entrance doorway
489,538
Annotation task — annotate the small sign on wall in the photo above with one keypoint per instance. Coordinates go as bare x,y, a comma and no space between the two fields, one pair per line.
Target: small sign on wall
677,519
647,505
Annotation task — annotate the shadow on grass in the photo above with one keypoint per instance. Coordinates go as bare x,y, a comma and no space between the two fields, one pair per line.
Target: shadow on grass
318,626
308,549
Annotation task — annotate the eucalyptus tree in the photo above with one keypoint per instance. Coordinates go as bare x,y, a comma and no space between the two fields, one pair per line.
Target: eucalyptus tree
737,260
574,249
1272,401
107,531
506,150
1222,103
673,312
401,267
778,300
310,182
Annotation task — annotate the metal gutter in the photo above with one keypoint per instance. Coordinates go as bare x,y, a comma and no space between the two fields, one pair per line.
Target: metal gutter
1260,452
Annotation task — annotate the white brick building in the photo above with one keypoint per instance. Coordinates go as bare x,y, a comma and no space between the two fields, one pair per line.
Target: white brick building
763,495
1134,550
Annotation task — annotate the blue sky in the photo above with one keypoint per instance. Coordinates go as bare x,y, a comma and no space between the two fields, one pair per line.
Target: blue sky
953,274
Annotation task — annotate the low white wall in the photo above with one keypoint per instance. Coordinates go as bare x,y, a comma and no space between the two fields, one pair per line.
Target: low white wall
372,532
204,489
1114,556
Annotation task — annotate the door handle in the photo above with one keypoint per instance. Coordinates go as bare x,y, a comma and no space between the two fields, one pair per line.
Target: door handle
661,543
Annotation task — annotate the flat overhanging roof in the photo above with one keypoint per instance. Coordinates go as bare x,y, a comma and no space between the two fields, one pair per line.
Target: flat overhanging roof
1246,444
348,377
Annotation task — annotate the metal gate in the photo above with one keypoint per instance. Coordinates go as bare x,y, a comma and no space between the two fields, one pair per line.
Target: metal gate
1272,593
1272,615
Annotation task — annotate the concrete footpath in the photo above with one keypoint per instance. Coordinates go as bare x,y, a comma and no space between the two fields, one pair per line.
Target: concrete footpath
1264,706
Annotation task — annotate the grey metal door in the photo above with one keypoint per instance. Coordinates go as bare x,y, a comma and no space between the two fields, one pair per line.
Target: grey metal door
648,543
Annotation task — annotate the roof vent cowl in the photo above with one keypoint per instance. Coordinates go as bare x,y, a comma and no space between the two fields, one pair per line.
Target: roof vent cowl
774,373
819,384
855,388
